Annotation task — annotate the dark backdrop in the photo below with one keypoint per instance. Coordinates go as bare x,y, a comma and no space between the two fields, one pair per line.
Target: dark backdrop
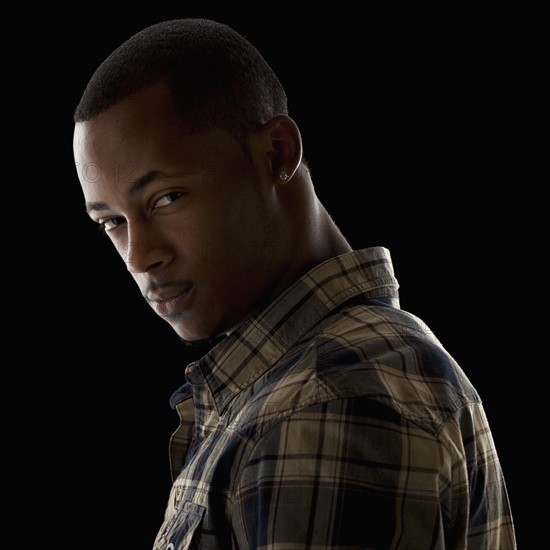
402,120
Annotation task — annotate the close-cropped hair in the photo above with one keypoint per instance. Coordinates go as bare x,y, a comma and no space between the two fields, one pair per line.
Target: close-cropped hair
218,78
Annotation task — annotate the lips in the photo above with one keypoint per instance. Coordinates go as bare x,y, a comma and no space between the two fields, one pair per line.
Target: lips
170,300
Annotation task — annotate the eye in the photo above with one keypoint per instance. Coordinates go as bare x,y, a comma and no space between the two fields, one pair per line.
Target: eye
167,199
110,224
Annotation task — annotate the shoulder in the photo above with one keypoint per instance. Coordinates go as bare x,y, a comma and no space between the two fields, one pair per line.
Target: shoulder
390,356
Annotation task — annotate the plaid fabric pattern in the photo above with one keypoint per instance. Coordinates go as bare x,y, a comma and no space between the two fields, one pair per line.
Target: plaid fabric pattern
334,419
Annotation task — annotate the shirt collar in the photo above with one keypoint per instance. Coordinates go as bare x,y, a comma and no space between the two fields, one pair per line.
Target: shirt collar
252,349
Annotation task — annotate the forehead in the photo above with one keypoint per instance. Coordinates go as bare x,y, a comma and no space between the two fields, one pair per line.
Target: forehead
138,120
140,134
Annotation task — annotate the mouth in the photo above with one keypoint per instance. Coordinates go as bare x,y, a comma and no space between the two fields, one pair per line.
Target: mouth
170,301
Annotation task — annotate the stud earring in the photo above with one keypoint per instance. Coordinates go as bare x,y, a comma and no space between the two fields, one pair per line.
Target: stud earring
283,175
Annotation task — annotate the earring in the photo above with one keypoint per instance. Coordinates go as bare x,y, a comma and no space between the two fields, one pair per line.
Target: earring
283,175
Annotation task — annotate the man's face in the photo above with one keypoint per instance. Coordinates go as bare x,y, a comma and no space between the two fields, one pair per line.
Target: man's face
189,214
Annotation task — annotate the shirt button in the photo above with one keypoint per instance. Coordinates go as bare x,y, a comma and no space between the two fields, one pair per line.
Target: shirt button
170,547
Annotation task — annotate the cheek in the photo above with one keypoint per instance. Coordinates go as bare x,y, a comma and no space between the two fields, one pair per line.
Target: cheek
119,242
230,227
226,231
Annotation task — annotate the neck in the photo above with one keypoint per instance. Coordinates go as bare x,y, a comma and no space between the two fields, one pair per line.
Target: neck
313,235
322,240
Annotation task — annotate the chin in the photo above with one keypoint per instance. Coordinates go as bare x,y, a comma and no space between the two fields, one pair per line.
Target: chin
199,346
190,336
195,335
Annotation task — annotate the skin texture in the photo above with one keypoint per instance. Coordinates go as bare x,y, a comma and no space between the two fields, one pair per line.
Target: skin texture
209,233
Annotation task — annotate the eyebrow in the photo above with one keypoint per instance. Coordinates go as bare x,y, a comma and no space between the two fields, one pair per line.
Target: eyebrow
137,186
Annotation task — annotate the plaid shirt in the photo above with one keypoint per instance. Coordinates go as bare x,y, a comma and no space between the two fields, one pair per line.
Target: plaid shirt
334,419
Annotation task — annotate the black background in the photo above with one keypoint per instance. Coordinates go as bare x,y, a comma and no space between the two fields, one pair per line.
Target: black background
408,124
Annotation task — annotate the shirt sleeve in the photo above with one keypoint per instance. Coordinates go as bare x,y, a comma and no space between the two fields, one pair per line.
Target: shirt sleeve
352,473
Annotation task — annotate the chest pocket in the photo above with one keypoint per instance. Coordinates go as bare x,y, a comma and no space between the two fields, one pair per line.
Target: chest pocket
180,531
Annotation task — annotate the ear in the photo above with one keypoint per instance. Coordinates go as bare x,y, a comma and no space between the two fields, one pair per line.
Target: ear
277,148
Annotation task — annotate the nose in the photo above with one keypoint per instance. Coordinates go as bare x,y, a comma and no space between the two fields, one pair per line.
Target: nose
146,249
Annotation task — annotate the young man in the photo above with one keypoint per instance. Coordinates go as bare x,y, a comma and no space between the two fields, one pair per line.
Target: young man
326,417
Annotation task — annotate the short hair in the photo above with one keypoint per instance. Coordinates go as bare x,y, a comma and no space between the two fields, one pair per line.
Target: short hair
219,79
